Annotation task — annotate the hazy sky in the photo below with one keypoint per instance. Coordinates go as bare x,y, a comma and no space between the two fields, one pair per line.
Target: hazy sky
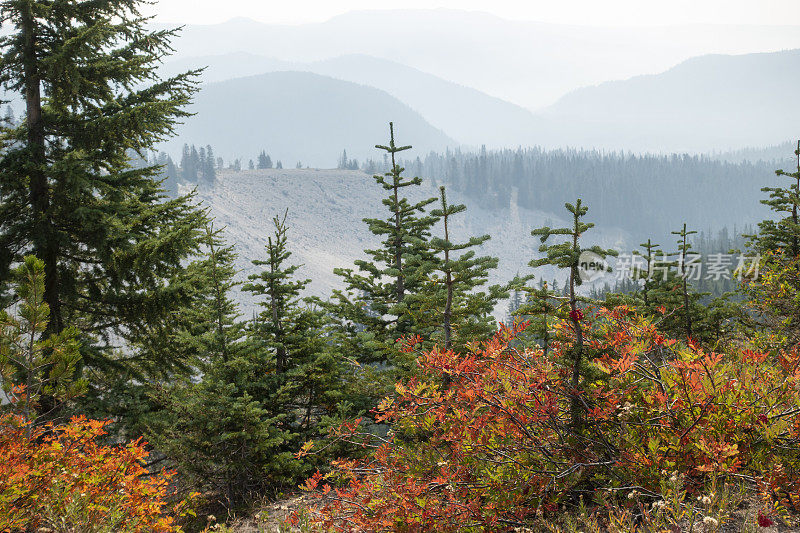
592,12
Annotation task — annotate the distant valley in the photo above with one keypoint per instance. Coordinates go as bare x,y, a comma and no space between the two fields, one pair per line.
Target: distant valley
708,104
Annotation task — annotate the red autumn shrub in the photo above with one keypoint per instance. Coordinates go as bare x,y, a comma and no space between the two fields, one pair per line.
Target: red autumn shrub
60,478
493,446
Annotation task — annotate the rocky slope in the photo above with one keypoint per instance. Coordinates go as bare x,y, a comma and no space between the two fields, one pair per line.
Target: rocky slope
326,208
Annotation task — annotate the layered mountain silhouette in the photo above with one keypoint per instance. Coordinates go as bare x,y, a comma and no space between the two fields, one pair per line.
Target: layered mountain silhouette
300,116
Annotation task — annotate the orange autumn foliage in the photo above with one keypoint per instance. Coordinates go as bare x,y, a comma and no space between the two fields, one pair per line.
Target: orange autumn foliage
491,447
59,477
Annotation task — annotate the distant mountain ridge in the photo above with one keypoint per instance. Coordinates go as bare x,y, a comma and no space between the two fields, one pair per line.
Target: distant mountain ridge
300,117
467,115
714,102
710,104
528,63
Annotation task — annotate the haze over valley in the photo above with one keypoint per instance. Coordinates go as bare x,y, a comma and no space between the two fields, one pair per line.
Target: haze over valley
712,92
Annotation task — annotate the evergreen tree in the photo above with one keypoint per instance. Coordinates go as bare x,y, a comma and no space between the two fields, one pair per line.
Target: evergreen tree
186,155
279,165
169,173
774,284
515,302
190,164
567,255
448,307
264,161
781,238
293,330
112,245
33,366
646,274
372,309
208,176
685,256
251,165
226,432
9,117
666,291
540,310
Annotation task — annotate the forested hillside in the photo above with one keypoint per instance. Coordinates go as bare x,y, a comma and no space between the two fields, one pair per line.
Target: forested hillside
645,195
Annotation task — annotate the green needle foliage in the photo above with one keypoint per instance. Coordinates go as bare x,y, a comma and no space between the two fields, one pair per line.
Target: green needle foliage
372,310
685,256
540,310
778,244
32,366
781,237
567,255
449,304
113,246
293,331
227,431
278,325
646,274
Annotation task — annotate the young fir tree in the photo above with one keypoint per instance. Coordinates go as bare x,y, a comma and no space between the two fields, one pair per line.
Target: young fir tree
373,310
567,255
685,257
307,370
669,296
226,432
540,310
781,238
33,366
515,303
448,308
109,239
646,275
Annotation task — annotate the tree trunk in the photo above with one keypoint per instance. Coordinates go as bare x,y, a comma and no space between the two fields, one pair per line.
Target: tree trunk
575,404
795,246
686,289
448,307
45,244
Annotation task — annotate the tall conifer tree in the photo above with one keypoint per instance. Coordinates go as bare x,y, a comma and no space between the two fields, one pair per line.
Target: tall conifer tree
293,331
685,257
373,308
112,245
567,255
448,306
781,238
227,432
